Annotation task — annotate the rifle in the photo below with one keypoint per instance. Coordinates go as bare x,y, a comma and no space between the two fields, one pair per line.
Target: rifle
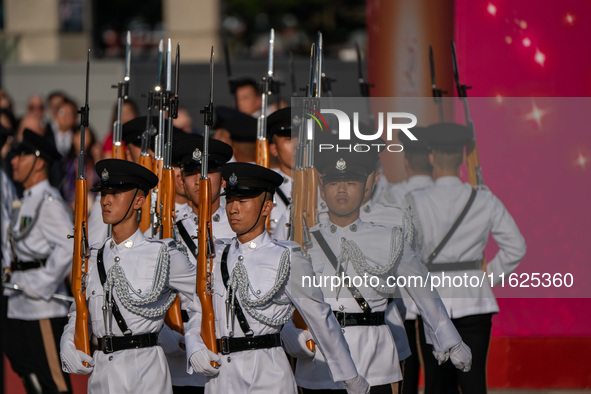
262,145
305,183
166,189
122,95
363,84
437,93
472,159
156,207
81,249
206,250
146,162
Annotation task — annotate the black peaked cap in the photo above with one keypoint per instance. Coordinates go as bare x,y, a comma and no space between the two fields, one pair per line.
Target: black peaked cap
116,174
249,180
34,144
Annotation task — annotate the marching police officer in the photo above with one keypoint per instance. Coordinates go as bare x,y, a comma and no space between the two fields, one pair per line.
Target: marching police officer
132,281
344,245
465,216
256,283
41,261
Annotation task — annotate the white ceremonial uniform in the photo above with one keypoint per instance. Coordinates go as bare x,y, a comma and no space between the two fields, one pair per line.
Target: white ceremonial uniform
398,193
7,196
435,209
143,370
368,343
268,370
279,206
98,231
220,225
39,229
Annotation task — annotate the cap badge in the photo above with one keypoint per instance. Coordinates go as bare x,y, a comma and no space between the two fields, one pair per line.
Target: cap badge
233,180
197,155
341,164
105,175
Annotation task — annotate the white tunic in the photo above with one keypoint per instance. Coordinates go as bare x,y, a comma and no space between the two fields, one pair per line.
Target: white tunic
279,206
372,347
399,191
133,370
47,239
268,370
7,196
436,209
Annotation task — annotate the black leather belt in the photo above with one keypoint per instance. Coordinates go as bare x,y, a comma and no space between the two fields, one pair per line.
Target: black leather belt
113,344
458,266
360,319
227,345
26,265
184,315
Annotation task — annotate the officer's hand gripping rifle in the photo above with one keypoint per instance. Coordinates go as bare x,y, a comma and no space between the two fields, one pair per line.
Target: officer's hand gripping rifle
122,94
472,159
206,250
166,189
81,249
262,145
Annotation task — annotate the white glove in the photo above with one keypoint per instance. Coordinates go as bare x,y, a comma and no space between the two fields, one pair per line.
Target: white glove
170,341
73,358
461,356
357,385
31,293
294,341
201,362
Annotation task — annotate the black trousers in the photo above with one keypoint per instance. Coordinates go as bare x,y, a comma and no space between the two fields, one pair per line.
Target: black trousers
442,379
187,390
412,365
382,389
33,350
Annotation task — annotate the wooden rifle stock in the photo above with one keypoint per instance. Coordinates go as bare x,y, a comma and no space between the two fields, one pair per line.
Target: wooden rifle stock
80,268
311,190
262,153
146,162
205,266
173,317
118,151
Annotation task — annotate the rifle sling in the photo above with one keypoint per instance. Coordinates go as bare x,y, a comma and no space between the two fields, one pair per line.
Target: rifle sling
237,309
340,271
453,229
187,239
283,197
103,277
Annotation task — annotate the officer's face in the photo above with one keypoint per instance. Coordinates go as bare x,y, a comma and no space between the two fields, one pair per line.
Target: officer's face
118,205
247,214
21,166
281,149
343,198
191,182
248,99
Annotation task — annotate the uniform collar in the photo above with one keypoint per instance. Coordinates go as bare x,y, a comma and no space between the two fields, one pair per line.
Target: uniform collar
37,189
129,243
219,214
286,178
351,228
420,180
256,243
182,211
448,181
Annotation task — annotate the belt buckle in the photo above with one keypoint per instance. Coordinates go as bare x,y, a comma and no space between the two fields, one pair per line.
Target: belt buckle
108,344
225,341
